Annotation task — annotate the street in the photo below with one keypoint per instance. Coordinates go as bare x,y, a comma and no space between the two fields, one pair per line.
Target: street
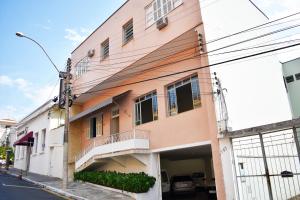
11,188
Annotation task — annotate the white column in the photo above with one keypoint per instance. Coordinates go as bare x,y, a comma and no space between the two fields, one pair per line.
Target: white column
228,169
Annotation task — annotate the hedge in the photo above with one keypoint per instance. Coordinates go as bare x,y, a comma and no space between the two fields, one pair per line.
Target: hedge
131,182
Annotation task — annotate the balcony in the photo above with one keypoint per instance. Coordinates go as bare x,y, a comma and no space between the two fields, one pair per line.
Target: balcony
101,147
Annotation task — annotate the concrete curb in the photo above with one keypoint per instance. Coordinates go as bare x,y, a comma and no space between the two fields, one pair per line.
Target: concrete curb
52,189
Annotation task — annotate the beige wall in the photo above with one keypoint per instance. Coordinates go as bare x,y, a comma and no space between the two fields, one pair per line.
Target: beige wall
125,164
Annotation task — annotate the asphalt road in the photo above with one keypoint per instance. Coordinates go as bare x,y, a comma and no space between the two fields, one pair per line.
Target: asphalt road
11,188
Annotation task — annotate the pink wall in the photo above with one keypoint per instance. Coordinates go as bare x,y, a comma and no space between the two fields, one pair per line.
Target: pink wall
183,18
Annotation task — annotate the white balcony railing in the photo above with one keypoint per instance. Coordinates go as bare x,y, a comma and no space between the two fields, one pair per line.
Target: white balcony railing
115,142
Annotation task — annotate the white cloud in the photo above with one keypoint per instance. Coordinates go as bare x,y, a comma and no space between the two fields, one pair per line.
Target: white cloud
76,36
5,80
38,94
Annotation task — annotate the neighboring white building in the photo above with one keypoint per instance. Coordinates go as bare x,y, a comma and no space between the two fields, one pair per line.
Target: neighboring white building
7,132
255,88
40,141
291,75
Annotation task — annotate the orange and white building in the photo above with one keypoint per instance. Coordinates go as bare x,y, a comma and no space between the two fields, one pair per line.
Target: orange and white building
143,101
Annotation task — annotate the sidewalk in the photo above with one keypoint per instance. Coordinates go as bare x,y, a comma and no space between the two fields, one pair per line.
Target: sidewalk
76,190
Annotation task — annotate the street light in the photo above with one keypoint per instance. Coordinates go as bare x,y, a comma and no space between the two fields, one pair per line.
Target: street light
19,34
66,76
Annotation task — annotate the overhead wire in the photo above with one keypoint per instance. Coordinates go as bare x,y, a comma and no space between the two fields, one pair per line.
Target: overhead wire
196,68
214,40
91,83
240,42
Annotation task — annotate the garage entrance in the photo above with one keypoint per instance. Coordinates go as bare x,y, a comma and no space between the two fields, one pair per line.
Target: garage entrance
187,173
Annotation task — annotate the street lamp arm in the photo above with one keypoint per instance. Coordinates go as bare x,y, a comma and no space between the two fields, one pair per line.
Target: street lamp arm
43,50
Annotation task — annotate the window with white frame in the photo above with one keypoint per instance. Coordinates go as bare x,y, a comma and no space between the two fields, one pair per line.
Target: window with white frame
81,67
159,8
36,142
146,108
184,95
43,139
105,49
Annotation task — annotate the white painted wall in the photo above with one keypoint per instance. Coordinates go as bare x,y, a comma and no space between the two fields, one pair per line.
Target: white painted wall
256,93
41,161
290,69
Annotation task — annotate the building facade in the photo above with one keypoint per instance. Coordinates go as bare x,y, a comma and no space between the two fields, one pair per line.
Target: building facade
7,132
39,145
144,98
291,75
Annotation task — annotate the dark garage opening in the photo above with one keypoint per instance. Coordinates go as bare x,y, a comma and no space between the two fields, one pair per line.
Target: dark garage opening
190,174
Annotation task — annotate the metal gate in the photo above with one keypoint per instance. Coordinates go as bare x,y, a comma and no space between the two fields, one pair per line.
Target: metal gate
267,166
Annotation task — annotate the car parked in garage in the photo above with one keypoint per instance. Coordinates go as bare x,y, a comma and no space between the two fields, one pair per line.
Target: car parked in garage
182,184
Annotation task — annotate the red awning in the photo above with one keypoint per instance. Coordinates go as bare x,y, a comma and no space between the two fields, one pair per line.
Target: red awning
26,140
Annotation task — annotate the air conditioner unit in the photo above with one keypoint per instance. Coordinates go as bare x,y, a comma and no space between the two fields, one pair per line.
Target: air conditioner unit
91,53
161,23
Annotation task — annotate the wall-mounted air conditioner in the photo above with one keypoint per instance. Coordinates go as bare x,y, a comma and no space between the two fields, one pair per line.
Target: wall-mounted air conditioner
161,23
91,53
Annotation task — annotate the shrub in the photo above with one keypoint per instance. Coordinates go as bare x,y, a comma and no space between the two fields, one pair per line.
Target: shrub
131,182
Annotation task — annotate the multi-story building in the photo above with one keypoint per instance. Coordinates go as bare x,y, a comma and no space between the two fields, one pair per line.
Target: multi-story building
7,132
291,75
39,145
143,101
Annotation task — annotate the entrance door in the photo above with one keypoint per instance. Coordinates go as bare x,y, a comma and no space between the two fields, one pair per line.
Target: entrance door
51,161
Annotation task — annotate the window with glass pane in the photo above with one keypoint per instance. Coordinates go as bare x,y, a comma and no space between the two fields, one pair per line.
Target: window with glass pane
159,8
146,108
81,67
184,95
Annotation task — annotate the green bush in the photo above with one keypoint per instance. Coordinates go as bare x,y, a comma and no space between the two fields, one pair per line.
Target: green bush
132,182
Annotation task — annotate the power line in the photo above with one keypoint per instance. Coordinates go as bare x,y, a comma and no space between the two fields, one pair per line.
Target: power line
217,49
197,68
254,47
214,40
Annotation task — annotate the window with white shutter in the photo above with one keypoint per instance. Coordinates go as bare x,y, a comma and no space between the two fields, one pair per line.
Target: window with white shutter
159,8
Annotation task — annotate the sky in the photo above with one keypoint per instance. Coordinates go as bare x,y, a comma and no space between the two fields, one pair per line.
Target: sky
27,78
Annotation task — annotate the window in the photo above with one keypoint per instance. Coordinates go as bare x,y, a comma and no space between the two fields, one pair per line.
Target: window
128,32
146,108
184,95
115,129
100,125
159,8
297,76
36,142
289,79
95,126
81,67
43,139
105,49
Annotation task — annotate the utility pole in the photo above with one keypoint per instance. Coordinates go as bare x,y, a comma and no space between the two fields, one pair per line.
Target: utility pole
66,76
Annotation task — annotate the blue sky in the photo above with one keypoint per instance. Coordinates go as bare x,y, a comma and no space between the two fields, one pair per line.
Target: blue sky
27,78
